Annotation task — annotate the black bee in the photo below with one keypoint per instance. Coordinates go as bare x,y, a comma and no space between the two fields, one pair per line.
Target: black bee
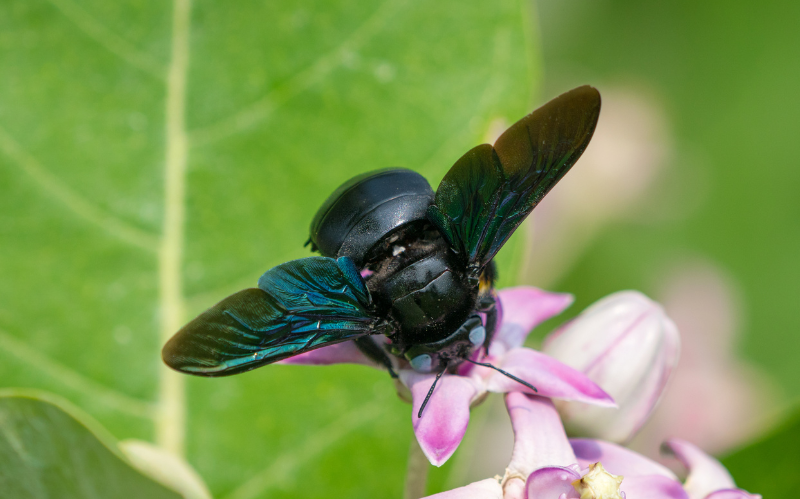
398,259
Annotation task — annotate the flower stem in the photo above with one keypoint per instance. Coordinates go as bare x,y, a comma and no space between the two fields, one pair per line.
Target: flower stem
416,472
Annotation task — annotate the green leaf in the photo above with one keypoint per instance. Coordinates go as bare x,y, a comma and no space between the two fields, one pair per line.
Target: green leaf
156,157
165,468
769,466
47,450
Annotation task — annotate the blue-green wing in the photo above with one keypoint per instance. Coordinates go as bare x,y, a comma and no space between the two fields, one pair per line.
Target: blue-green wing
490,190
298,306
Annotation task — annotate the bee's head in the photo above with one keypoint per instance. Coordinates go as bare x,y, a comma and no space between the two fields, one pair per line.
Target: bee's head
449,352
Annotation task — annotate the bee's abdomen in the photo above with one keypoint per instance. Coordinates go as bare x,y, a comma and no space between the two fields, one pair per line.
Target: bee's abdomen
429,299
365,209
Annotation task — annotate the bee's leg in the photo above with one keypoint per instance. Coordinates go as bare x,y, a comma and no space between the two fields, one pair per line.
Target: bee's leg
376,353
489,305
492,319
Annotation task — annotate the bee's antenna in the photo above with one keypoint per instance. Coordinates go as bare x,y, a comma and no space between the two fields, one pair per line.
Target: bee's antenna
501,372
430,392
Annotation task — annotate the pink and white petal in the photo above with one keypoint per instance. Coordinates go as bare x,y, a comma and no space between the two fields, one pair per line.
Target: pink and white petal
539,437
550,377
485,489
600,327
652,487
732,494
524,308
444,421
341,353
616,459
553,482
626,344
706,474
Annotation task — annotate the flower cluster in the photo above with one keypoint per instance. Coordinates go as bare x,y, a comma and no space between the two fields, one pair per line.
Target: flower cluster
605,370
546,465
628,346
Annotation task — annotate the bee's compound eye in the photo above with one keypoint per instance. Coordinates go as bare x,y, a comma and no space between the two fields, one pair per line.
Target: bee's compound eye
421,363
477,335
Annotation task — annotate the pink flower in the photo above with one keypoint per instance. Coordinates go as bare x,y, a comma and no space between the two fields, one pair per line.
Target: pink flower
546,465
626,344
444,422
552,463
707,477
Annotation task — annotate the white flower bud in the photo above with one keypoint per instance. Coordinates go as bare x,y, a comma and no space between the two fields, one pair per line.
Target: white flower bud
626,344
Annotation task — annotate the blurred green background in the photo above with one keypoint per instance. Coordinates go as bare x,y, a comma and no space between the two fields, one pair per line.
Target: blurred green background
105,136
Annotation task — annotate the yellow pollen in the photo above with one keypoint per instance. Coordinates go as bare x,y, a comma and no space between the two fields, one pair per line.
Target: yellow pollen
598,484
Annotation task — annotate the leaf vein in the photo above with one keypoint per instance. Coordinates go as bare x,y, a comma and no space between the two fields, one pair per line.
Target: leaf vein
281,470
76,203
109,397
109,40
263,108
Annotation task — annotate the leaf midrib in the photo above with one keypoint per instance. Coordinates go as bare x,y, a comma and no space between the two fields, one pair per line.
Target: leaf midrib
170,421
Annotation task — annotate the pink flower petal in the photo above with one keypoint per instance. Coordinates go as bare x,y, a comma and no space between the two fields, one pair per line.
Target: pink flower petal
652,487
341,353
706,474
550,377
732,494
523,309
616,459
539,438
485,489
443,423
553,482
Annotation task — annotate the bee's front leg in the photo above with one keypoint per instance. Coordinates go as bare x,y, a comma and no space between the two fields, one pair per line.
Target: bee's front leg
489,306
372,350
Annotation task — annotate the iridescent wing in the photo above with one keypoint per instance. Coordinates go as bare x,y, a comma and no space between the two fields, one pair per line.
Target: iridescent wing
298,306
490,190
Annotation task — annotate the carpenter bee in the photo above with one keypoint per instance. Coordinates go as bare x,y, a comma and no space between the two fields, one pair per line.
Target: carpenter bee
400,264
